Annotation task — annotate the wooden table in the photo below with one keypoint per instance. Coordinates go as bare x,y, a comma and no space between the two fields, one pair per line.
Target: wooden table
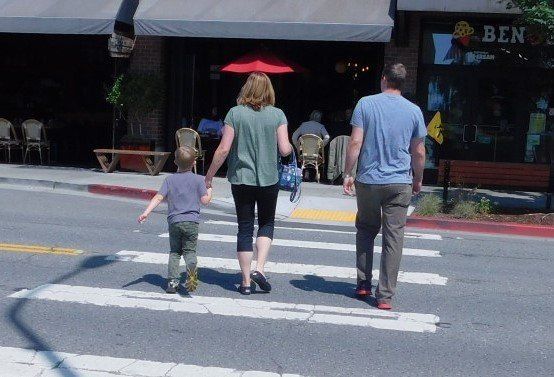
108,166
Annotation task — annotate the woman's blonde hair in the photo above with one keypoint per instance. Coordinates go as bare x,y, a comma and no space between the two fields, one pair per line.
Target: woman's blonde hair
257,92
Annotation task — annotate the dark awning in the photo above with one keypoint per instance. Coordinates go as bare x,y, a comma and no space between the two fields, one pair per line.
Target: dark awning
323,20
473,6
61,16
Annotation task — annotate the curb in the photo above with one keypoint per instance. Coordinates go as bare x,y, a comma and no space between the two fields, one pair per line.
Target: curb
98,189
122,191
513,229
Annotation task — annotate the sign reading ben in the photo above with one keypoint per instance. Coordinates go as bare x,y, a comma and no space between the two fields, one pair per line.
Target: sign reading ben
503,34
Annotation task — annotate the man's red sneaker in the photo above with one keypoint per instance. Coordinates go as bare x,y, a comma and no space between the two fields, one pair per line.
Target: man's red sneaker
363,289
384,306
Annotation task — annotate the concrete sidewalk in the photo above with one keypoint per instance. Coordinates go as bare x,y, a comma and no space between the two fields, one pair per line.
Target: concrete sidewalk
319,202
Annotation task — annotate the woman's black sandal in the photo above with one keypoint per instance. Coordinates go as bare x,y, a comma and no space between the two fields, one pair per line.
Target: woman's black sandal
261,280
245,290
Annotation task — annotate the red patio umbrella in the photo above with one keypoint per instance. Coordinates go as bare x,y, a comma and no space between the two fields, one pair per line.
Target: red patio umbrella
262,61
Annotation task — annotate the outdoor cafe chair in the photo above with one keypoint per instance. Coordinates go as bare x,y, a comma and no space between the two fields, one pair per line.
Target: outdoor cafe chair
8,138
187,137
34,138
311,153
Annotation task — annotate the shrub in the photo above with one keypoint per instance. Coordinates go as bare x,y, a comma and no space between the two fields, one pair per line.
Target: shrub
485,206
429,205
465,209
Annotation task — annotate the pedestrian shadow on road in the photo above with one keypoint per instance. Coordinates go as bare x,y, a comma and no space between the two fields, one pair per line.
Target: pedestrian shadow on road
153,279
227,281
27,328
207,276
318,284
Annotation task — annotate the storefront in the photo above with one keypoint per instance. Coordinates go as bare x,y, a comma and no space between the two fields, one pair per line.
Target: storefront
340,46
56,68
492,82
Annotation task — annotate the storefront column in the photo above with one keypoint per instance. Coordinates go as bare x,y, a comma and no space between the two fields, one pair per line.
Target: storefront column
406,52
149,56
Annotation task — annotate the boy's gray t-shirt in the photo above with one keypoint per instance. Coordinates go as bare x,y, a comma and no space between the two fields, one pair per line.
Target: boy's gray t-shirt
183,192
389,123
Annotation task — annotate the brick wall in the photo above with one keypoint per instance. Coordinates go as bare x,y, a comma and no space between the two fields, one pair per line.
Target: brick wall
149,56
407,55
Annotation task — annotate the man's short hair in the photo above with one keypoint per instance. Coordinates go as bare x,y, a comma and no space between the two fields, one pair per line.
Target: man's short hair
316,116
395,74
185,157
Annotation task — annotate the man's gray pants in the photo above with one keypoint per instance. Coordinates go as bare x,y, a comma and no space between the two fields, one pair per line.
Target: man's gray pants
385,205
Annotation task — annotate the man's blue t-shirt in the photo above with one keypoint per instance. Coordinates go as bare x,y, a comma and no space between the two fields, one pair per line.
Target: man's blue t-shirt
389,123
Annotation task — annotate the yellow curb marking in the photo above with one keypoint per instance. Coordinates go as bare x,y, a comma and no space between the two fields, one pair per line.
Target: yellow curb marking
38,249
320,214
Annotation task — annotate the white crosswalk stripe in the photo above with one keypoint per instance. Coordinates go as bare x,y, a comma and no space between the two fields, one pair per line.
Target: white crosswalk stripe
20,362
107,297
421,236
280,268
317,245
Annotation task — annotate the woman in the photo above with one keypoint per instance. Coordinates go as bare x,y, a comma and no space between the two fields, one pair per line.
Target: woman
255,132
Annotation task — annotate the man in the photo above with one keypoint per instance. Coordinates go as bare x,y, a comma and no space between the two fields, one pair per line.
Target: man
388,141
314,127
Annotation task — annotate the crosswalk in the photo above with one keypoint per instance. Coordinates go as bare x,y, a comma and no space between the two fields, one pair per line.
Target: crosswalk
21,362
280,268
409,235
262,307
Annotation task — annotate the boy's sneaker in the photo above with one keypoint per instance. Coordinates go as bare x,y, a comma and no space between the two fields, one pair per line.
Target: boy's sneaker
192,279
172,286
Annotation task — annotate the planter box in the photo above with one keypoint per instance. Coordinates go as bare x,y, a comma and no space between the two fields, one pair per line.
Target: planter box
134,163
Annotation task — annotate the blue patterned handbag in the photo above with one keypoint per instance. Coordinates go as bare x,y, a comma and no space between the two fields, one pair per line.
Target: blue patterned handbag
290,178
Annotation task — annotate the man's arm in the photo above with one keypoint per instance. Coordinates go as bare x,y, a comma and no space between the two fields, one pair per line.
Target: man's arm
352,154
325,136
417,151
295,137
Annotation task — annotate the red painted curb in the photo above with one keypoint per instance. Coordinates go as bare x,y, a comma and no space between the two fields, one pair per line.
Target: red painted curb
126,192
413,221
482,227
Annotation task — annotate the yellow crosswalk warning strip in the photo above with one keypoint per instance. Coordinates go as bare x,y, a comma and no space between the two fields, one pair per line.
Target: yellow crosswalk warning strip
16,248
324,215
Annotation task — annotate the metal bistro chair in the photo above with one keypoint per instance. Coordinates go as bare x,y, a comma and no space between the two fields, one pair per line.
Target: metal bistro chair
9,139
34,138
187,137
311,153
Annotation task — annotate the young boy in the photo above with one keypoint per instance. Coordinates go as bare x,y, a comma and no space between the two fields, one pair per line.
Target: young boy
184,191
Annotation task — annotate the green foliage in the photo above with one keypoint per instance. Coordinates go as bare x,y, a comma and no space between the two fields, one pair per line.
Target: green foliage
141,94
537,14
485,206
114,95
465,210
429,205
137,95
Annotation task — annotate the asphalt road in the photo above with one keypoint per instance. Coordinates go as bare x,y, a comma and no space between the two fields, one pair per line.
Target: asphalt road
492,298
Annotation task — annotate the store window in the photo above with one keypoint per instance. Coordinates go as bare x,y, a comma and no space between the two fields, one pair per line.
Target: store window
492,83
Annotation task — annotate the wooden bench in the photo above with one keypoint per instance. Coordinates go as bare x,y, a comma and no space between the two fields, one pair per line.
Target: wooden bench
108,166
529,177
